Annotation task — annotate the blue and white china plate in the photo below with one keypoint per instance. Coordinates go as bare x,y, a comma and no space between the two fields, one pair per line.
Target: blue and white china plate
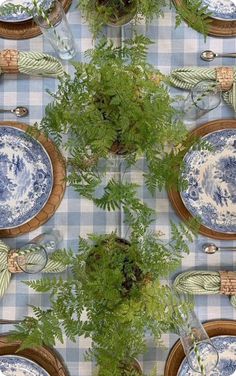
211,180
26,177
221,9
20,16
13,365
226,347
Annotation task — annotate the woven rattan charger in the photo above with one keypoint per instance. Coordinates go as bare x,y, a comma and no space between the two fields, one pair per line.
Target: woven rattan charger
58,189
174,195
217,28
213,328
25,29
44,356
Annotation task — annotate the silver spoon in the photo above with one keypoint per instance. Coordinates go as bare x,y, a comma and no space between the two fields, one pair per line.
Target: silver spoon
210,55
18,111
6,321
211,248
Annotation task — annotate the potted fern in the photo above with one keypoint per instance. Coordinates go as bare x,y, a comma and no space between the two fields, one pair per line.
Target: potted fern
118,12
118,284
116,104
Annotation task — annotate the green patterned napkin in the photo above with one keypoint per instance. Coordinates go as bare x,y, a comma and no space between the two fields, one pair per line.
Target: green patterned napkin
200,282
39,64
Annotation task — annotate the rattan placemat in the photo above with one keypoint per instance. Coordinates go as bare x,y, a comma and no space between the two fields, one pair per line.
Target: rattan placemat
175,197
25,29
217,28
213,328
44,356
58,189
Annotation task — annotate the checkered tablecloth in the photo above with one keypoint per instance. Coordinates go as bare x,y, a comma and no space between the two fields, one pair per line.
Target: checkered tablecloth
77,216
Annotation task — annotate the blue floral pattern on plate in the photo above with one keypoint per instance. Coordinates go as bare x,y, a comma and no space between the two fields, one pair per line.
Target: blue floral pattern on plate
226,347
26,177
13,365
211,178
222,9
22,16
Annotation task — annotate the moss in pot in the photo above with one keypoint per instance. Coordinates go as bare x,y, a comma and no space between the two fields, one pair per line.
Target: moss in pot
119,287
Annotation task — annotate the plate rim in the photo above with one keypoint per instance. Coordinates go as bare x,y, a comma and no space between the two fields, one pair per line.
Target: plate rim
52,176
174,195
13,21
58,190
48,358
217,27
213,328
25,29
27,359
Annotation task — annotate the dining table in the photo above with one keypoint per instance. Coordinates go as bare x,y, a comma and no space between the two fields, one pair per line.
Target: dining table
172,47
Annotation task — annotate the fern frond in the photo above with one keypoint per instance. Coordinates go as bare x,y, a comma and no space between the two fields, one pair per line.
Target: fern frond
196,15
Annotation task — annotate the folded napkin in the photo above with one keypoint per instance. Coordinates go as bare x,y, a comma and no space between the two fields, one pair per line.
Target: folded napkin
203,282
32,63
186,78
6,271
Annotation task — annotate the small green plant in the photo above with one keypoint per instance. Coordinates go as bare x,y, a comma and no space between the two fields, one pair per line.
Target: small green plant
118,285
117,12
116,104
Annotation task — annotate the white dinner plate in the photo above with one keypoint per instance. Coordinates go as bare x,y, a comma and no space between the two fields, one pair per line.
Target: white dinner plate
226,347
26,177
14,365
211,182
221,9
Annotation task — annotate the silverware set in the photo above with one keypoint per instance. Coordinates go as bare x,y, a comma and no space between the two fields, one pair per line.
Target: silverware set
207,55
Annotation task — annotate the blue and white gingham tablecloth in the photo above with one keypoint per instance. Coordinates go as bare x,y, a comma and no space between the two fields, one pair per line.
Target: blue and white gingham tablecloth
76,216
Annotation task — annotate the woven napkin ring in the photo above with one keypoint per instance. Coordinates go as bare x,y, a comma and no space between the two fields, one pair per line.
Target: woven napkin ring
9,61
225,77
12,263
227,283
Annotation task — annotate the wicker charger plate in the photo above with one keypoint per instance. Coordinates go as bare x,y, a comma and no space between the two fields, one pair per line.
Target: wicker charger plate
213,328
25,29
175,197
45,357
58,189
217,28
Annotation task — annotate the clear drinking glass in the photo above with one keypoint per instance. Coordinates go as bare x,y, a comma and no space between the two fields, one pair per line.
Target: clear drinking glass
201,354
49,240
54,26
31,259
33,256
204,97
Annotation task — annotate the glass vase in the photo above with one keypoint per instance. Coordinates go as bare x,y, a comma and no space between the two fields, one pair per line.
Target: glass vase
54,26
